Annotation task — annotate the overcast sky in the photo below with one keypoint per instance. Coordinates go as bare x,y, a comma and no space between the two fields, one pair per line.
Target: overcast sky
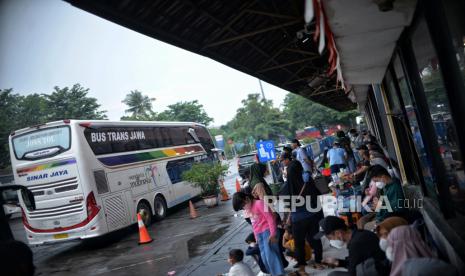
49,42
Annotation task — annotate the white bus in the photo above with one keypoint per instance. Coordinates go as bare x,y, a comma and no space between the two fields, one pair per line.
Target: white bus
93,177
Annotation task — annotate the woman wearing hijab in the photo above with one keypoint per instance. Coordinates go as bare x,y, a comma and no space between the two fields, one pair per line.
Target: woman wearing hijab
257,175
404,242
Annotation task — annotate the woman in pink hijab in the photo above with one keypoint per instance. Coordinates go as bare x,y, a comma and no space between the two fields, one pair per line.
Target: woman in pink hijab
405,242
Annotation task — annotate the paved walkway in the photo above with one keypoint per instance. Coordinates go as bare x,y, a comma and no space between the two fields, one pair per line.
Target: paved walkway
215,261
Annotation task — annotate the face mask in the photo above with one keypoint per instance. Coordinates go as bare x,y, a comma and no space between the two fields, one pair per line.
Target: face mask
383,244
389,254
380,184
337,243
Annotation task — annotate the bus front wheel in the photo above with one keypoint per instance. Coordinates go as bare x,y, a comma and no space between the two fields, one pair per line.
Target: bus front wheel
143,208
160,207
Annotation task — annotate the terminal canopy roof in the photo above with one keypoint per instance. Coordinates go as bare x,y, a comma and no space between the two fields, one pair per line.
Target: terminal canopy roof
265,39
270,40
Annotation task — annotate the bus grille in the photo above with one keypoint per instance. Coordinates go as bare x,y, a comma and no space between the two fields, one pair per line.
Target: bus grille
57,186
116,212
68,209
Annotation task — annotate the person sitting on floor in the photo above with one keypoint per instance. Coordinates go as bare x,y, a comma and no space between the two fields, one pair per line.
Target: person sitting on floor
254,251
361,244
289,245
238,268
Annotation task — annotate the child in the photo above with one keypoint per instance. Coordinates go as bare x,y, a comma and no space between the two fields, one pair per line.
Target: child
238,268
289,245
254,251
265,230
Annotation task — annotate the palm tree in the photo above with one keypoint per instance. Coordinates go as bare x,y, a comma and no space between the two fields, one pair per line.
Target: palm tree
140,106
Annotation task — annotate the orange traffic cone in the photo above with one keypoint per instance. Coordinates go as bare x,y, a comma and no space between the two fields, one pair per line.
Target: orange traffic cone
192,210
238,185
144,236
224,193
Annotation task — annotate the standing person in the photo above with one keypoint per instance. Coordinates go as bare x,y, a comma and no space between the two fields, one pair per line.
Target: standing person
304,222
265,229
257,175
305,161
337,158
355,142
345,143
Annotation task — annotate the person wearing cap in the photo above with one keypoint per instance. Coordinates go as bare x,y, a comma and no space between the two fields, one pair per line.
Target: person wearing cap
305,161
337,158
304,222
361,244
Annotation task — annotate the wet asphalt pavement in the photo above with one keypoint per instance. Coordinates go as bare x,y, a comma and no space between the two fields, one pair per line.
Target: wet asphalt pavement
178,243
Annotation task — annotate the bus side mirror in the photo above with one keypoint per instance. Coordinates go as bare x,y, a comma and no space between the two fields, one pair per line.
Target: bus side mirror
28,198
26,194
193,134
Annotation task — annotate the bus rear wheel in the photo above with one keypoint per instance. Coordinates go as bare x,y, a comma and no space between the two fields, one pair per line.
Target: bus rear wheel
143,208
160,208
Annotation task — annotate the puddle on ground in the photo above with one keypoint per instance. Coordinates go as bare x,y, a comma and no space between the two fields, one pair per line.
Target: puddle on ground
196,245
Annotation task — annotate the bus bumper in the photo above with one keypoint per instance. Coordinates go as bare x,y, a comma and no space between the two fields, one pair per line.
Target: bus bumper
95,228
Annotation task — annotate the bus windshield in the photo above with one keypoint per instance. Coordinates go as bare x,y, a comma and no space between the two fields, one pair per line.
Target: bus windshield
42,143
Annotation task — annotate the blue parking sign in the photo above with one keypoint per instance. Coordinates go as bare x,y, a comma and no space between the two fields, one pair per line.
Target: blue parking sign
265,151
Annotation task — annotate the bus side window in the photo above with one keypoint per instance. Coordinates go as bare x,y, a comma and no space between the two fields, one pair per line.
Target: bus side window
165,136
150,140
178,137
176,168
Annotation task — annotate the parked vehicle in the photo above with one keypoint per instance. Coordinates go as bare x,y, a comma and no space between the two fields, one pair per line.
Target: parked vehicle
244,162
92,177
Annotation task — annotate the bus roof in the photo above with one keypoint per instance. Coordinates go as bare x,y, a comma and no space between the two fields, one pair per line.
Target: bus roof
104,123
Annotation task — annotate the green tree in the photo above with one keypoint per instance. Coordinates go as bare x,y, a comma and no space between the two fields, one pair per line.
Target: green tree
191,111
257,118
140,106
303,112
36,108
24,111
9,105
72,103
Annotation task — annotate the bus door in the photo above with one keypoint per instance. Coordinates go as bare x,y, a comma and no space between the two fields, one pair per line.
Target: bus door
182,190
